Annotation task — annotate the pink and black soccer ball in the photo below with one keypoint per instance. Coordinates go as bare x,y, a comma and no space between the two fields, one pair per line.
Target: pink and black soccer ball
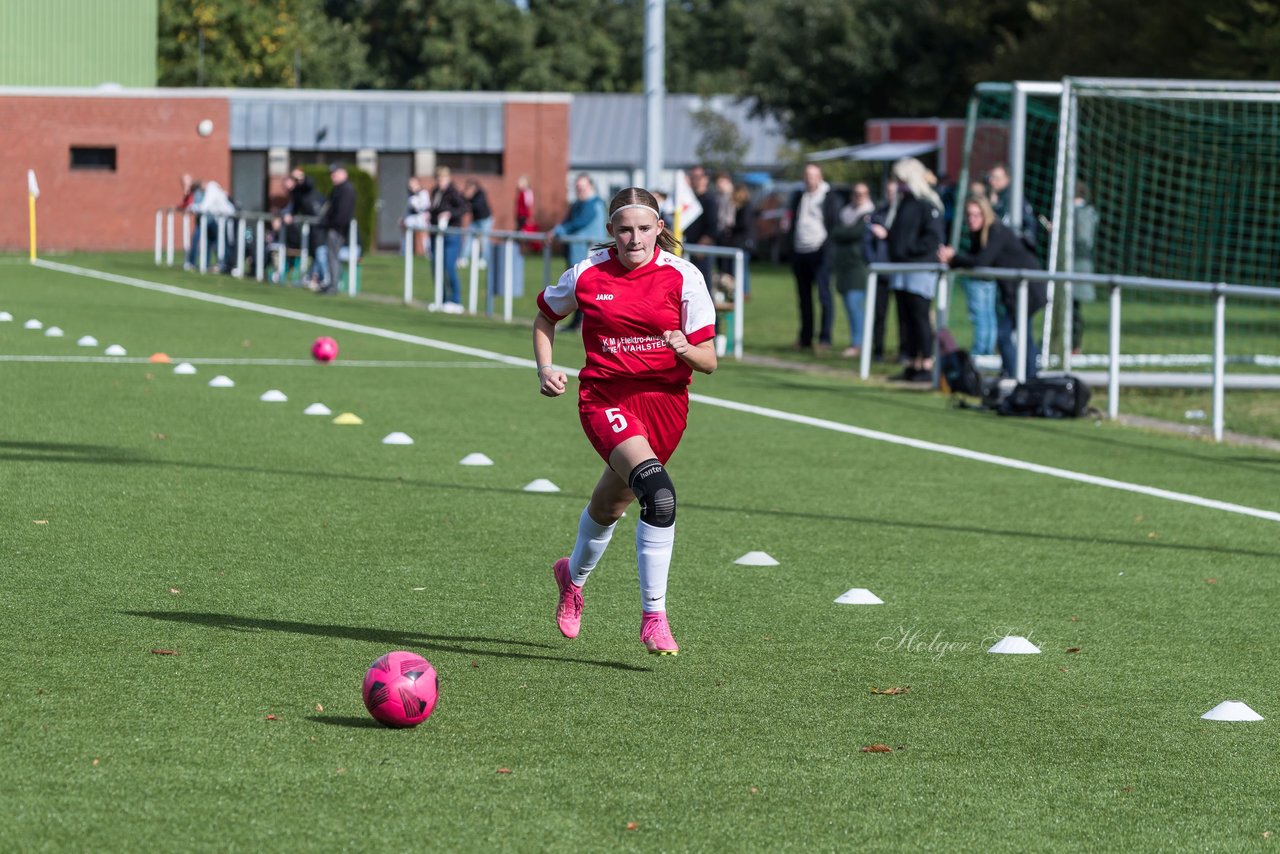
400,689
325,349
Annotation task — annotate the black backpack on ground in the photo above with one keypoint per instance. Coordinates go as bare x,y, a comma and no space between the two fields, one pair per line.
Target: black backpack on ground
956,366
1065,396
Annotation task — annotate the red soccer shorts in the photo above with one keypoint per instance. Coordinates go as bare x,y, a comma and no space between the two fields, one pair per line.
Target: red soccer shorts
614,412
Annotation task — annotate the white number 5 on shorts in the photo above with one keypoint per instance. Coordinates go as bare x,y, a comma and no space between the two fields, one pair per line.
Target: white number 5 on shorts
617,419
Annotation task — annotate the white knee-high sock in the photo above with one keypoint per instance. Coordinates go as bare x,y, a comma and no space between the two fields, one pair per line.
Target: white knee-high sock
653,554
593,539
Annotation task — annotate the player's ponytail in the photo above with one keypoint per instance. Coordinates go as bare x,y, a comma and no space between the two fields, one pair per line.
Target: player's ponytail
639,196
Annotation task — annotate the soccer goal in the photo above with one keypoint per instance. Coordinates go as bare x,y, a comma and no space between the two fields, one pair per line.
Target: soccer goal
1182,179
1164,179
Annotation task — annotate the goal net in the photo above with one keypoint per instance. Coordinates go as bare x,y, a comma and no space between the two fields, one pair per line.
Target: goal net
1183,179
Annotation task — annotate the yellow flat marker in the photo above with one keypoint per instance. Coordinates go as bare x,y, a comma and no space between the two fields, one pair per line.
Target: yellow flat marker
348,418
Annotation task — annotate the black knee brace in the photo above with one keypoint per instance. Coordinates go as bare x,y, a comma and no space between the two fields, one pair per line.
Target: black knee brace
655,492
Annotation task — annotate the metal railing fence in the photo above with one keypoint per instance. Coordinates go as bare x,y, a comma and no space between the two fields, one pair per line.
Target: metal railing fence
1115,284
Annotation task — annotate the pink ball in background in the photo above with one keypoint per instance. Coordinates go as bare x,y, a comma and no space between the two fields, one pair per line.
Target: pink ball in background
400,689
325,349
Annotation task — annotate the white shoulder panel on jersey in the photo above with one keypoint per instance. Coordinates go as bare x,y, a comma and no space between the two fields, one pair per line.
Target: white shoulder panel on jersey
697,311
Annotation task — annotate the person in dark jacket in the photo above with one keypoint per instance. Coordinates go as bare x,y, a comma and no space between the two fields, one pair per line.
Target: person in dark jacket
995,245
336,220
915,233
481,221
875,248
849,264
448,207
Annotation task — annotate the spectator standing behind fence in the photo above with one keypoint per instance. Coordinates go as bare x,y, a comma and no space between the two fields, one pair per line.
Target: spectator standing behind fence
875,248
417,211
739,231
703,230
915,233
813,215
980,297
304,201
998,183
481,221
448,207
1084,232
582,227
849,264
524,203
992,244
336,219
217,207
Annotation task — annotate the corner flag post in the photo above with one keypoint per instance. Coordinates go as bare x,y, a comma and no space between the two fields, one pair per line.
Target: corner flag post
33,192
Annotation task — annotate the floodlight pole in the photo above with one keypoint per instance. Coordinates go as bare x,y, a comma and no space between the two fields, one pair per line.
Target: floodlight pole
654,90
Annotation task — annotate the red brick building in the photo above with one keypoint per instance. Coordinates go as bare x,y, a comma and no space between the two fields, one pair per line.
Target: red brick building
106,160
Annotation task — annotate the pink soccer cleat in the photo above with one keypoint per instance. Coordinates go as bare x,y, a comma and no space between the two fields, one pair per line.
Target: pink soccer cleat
569,610
655,634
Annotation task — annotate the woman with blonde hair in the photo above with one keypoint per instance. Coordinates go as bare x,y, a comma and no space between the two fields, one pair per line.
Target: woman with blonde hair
647,325
915,234
992,244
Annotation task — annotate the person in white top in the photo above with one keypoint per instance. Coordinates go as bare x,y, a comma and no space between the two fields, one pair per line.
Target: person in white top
213,202
813,216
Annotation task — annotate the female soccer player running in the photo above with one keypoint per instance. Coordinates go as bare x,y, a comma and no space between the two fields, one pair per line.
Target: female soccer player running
647,324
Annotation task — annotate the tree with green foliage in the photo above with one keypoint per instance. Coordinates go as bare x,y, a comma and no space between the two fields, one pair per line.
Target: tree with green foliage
274,43
483,45
720,144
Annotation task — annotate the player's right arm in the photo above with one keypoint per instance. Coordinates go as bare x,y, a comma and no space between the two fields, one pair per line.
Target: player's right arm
551,382
555,303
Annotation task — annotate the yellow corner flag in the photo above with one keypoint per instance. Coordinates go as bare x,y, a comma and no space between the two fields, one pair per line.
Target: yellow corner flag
33,193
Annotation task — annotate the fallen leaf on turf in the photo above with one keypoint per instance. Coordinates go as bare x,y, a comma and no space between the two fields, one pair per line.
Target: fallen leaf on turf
1063,669
474,664
159,436
272,718
890,691
1138,518
1074,618
1211,581
1151,536
41,521
95,762
175,591
754,790
1266,834
245,343
341,771
504,770
164,652
877,748
1126,788
319,708
1073,649
631,825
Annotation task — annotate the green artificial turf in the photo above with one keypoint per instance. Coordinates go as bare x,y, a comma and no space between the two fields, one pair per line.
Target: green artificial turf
278,554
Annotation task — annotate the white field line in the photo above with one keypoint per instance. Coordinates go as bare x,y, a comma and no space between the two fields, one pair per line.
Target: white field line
764,412
308,363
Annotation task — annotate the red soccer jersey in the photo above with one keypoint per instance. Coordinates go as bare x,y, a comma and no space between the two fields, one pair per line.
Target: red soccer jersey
625,312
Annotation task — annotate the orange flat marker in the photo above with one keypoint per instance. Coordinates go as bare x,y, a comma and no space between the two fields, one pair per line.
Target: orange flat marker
160,359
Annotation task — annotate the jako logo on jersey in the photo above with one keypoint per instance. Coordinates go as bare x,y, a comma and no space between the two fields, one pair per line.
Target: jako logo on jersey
603,296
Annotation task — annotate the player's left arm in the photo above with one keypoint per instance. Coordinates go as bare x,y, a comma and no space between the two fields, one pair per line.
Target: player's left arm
695,340
701,356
